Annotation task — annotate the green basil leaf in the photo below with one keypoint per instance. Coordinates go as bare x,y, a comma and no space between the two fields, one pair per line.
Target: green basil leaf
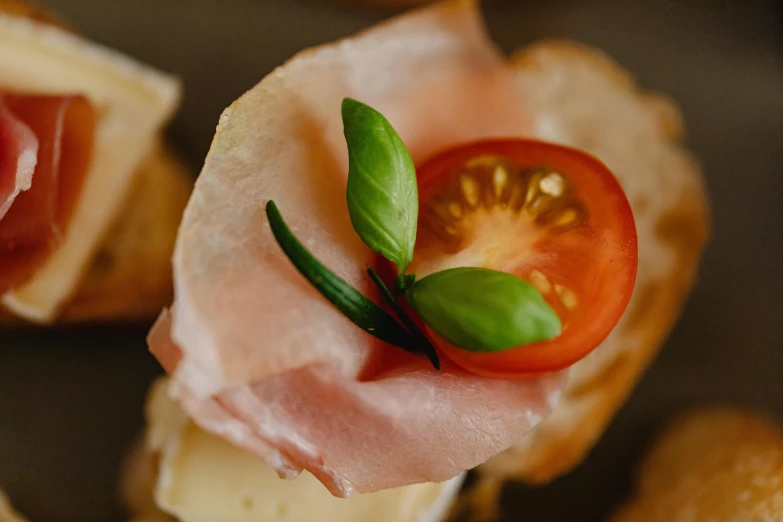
383,199
483,310
361,311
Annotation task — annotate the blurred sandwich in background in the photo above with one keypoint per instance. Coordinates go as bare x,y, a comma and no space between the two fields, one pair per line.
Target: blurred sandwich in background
715,464
90,196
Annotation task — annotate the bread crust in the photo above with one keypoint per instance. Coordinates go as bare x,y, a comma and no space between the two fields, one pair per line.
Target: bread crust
718,464
673,222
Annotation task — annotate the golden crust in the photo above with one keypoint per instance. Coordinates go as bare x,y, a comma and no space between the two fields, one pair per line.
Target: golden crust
672,225
130,277
718,464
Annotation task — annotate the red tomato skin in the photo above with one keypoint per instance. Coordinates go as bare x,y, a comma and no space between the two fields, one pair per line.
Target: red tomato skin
602,273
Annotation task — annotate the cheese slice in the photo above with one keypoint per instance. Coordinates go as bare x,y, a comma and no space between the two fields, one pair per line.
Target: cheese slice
132,101
7,513
203,478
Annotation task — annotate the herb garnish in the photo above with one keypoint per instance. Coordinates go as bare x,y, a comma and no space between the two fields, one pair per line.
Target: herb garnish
483,310
364,313
477,309
383,199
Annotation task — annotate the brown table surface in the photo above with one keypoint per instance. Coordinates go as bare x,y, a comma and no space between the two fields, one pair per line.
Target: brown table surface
70,400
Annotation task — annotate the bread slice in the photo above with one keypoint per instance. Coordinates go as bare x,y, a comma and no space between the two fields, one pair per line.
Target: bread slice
579,97
719,464
102,273
197,477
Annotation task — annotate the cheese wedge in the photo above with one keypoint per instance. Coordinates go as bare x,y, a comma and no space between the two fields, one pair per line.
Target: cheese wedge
202,478
133,102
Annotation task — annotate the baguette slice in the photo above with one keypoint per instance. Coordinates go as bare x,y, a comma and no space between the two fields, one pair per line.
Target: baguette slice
133,102
717,464
128,268
583,99
194,476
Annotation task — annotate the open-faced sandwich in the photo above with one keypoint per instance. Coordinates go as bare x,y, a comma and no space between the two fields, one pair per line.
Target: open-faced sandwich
407,256
90,198
720,464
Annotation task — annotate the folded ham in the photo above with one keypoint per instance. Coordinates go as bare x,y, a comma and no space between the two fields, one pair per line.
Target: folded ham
257,355
18,155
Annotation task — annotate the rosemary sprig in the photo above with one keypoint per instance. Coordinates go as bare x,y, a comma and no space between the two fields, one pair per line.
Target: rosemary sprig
361,311
422,342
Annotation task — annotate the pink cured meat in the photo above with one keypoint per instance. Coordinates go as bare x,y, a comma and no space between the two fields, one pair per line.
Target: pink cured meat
257,355
18,157
412,426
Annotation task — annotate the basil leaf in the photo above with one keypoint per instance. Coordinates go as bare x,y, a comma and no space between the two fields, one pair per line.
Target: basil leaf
383,199
361,311
483,310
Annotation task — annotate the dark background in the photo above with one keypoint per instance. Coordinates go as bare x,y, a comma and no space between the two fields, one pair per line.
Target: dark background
71,399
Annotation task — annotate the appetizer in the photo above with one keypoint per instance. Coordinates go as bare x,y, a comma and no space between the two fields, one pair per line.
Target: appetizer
718,464
397,258
186,474
89,197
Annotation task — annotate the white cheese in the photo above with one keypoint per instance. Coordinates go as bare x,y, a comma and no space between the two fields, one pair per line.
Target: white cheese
203,478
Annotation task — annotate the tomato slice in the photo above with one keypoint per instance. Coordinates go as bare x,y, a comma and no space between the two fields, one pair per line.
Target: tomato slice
552,215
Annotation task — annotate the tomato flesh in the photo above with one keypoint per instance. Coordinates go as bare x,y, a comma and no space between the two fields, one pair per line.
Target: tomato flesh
552,215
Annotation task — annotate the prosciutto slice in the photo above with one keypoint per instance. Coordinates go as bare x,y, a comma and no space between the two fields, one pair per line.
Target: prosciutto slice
258,356
62,128
18,156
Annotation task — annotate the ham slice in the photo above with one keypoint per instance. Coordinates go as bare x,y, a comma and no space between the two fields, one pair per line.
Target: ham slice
33,227
18,155
257,355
